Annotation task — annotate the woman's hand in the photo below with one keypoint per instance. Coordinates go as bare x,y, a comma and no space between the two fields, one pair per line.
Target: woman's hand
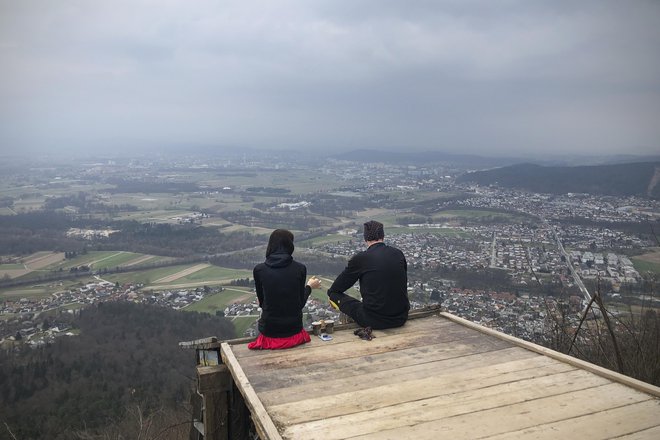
314,282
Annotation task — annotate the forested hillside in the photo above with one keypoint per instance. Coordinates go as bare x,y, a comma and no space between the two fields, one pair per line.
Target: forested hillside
126,363
633,179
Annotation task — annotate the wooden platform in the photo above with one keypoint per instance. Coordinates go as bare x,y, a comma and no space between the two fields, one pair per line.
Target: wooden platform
437,377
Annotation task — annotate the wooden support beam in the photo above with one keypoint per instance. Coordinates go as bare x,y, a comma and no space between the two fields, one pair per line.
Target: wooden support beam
214,383
239,415
262,421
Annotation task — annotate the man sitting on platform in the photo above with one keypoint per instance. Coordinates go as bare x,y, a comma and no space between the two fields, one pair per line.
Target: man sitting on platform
383,274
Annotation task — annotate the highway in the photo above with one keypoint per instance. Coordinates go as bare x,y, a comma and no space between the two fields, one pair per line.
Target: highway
493,251
576,276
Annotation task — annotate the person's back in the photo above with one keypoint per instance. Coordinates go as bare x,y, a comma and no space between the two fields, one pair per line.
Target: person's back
282,288
282,293
382,272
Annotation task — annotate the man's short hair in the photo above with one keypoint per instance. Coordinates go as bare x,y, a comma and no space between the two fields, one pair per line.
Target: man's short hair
373,231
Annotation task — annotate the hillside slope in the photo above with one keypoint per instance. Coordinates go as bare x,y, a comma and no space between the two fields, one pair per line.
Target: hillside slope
632,179
126,359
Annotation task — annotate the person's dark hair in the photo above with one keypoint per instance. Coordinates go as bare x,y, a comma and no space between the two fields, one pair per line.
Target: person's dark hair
280,239
373,231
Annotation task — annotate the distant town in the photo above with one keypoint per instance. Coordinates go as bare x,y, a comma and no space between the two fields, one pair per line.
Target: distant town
551,251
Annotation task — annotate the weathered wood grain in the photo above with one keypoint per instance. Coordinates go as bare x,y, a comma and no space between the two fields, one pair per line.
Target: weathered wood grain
335,391
265,380
437,377
635,421
394,411
516,417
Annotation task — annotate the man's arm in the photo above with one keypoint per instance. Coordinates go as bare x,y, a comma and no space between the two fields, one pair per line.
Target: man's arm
347,278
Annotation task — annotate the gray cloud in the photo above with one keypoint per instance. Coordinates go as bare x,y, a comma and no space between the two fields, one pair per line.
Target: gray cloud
513,77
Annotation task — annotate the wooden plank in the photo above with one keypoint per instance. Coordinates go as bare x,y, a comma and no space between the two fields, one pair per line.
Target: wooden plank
356,349
642,434
638,421
517,416
313,372
359,393
409,410
262,421
612,375
342,348
424,312
411,389
198,342
429,323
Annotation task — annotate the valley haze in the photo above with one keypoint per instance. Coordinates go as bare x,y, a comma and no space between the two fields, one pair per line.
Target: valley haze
521,79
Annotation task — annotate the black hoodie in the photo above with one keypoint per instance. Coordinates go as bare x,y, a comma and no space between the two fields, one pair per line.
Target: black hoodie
282,294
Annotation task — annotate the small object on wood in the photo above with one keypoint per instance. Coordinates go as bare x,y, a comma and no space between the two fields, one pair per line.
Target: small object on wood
323,326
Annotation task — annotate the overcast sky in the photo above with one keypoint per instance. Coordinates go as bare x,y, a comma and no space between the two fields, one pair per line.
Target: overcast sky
473,76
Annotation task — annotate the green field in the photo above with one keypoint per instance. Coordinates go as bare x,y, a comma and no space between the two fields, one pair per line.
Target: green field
112,261
644,266
146,276
218,301
39,290
97,259
34,275
33,292
332,238
11,267
215,273
158,216
25,292
83,260
212,276
242,323
277,179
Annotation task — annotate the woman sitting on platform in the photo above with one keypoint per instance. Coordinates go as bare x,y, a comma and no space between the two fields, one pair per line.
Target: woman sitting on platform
282,294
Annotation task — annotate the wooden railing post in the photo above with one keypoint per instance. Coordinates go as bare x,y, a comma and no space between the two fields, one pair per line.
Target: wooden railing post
222,413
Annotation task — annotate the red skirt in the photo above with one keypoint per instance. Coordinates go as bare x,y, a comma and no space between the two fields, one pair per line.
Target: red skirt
267,343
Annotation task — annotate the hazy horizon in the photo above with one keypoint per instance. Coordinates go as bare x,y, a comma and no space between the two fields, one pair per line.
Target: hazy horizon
516,79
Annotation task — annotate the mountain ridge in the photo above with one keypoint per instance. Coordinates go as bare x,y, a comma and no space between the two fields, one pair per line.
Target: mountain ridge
629,179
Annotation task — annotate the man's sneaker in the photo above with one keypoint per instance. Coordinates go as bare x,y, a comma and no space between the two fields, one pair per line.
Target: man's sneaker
364,333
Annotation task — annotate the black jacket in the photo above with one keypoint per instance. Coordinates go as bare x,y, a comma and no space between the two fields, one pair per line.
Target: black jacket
282,294
383,274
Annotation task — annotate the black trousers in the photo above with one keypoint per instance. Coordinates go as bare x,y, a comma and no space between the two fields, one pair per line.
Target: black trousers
355,309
